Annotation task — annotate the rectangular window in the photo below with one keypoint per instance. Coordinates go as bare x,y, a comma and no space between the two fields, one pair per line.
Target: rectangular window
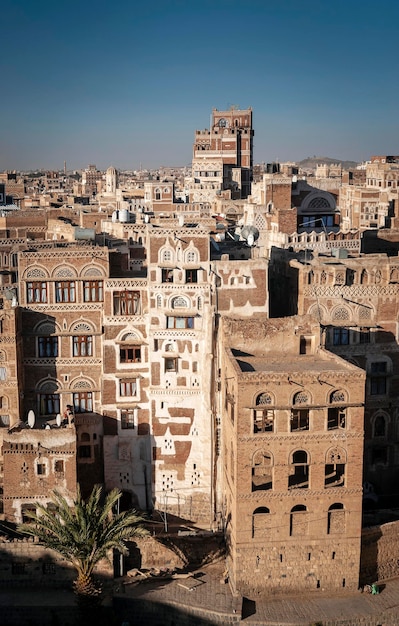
41,469
180,322
65,291
84,452
82,345
128,387
334,475
299,419
36,292
49,403
378,381
59,468
126,303
167,275
83,402
48,346
191,276
378,367
127,419
130,354
93,291
365,336
263,420
4,420
170,364
336,418
3,373
378,386
340,336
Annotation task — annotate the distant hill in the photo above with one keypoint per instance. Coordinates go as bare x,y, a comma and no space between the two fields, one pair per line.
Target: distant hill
311,162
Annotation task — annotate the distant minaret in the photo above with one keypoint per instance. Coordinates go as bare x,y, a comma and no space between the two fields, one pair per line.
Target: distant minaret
64,168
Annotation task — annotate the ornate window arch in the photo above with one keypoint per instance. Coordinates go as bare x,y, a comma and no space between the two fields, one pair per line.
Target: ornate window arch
82,327
93,271
179,302
64,271
36,273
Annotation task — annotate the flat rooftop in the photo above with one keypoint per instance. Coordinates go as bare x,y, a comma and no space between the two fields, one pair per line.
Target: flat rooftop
289,363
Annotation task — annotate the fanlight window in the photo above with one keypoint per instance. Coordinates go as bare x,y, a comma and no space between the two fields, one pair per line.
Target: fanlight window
179,303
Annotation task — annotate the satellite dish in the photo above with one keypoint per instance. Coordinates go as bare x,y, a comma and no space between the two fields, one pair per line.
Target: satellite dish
31,419
47,427
58,419
250,234
146,218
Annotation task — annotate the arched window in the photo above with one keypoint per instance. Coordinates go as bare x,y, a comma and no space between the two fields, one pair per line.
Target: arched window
298,521
179,302
263,414
260,522
191,256
364,277
334,474
262,471
336,414
336,519
299,416
380,426
299,471
167,256
395,275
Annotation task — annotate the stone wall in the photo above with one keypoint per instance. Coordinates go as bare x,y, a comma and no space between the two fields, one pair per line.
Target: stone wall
379,553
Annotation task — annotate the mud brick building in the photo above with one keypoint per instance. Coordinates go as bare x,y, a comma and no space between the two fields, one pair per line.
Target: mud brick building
292,450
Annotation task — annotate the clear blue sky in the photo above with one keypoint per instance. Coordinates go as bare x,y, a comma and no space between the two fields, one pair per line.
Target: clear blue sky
128,82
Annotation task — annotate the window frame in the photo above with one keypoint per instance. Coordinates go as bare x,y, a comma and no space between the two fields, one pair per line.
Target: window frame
65,291
82,401
127,385
186,322
93,291
37,292
82,346
126,302
124,350
47,346
128,419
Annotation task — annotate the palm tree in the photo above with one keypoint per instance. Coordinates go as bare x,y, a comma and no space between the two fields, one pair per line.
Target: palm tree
84,533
